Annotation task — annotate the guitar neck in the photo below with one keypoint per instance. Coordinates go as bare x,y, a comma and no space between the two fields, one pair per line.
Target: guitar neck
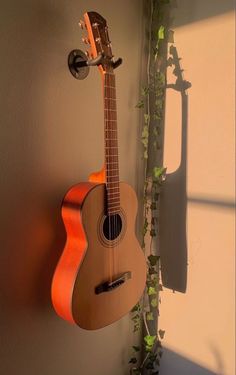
111,145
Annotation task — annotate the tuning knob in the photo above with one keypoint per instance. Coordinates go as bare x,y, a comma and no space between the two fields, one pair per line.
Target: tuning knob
82,24
86,40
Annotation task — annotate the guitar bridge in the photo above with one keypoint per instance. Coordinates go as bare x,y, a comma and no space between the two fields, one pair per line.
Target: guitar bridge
111,285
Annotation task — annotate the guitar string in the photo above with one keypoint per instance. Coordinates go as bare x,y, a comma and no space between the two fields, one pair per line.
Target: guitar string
113,220
106,185
110,158
106,163
113,215
107,169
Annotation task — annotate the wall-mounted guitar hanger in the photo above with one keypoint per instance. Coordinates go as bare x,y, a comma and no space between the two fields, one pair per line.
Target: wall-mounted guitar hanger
79,62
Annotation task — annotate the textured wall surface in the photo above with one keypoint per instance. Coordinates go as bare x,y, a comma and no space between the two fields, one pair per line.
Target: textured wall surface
52,138
199,154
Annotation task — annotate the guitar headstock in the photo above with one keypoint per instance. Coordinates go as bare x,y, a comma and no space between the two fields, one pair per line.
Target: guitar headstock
98,39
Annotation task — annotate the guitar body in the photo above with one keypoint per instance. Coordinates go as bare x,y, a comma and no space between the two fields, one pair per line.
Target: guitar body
90,259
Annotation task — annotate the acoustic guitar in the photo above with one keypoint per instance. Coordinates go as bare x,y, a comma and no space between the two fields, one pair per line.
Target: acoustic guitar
101,273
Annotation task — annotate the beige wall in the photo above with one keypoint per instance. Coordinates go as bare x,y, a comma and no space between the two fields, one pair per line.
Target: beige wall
200,324
51,138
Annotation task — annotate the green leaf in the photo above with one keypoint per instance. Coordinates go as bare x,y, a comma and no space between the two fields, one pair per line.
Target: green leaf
161,333
161,32
153,259
136,348
140,104
136,308
154,302
157,172
144,91
151,291
150,316
150,340
145,132
146,118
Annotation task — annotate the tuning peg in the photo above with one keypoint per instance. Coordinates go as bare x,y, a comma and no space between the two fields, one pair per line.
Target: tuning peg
82,24
87,54
86,40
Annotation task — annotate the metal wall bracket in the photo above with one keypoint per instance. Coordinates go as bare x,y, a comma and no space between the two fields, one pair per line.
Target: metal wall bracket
77,62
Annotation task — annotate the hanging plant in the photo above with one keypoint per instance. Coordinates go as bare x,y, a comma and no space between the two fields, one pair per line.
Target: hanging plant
152,104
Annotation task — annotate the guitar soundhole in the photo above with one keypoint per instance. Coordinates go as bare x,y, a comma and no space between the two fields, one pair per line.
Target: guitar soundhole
112,227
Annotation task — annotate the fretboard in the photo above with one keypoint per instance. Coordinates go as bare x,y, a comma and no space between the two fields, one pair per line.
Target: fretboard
111,145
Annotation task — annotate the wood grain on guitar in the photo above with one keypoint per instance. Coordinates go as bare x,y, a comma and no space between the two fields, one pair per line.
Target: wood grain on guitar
102,271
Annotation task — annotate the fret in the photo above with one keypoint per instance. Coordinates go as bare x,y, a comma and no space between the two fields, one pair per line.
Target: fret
110,93
110,126
110,155
111,105
111,158
113,178
110,87
116,183
115,204
112,188
113,152
110,116
112,169
111,143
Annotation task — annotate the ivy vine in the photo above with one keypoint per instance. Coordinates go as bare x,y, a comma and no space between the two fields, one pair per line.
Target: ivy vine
152,103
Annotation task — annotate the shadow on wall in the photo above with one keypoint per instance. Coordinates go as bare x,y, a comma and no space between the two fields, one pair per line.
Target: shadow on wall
173,243
173,363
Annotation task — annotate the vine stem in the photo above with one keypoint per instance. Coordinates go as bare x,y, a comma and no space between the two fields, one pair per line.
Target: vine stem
145,323
148,76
